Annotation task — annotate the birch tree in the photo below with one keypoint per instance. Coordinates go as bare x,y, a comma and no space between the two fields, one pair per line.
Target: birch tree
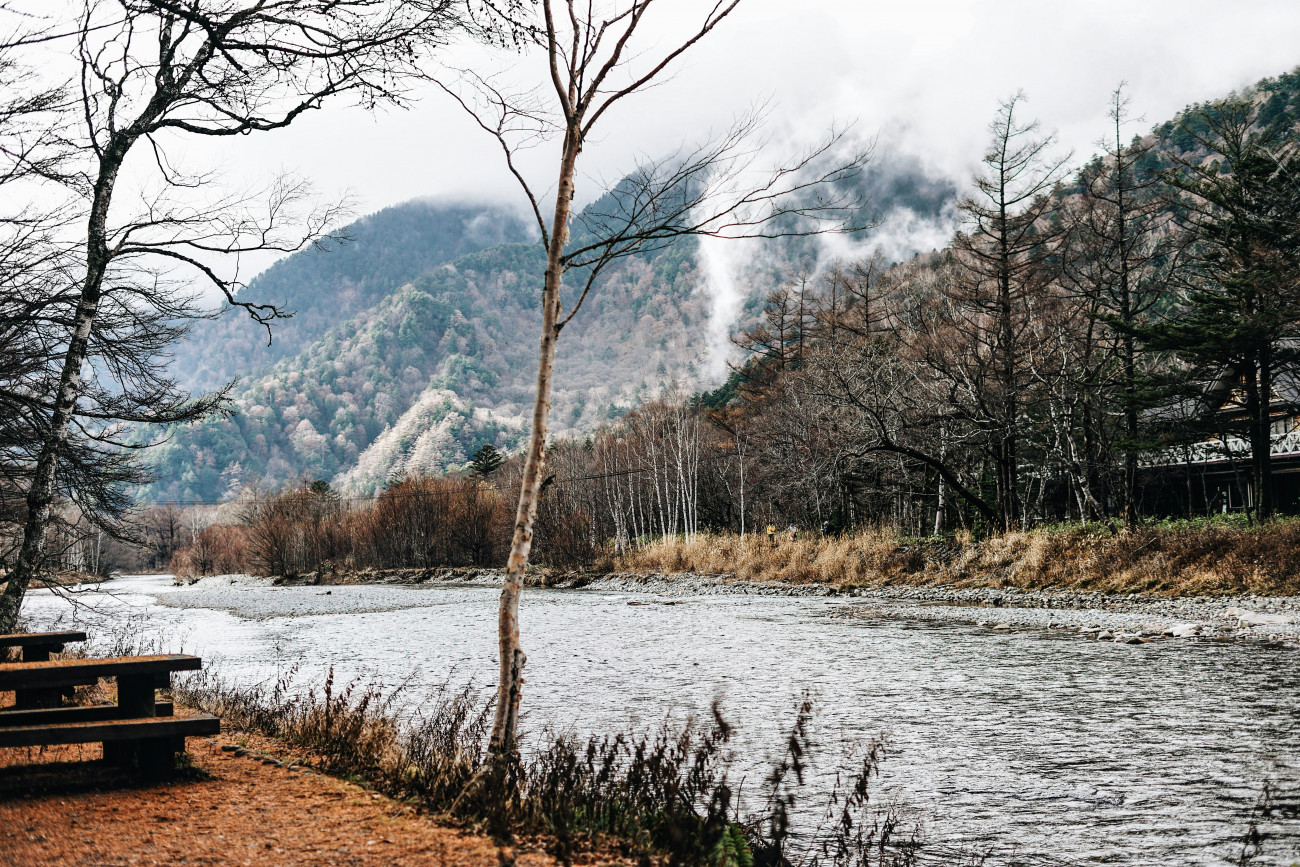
594,64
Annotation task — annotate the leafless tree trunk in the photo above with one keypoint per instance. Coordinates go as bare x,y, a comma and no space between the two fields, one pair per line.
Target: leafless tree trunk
155,68
1124,257
1008,242
593,65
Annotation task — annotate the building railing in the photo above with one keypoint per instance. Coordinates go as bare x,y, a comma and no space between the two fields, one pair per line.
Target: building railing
1217,450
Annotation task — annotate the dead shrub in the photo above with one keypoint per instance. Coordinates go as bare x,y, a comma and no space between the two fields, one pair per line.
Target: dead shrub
667,794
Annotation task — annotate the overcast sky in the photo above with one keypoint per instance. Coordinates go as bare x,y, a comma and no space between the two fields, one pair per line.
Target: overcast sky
925,75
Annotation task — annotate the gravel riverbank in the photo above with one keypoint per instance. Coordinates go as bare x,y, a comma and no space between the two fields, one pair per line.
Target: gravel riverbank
1272,621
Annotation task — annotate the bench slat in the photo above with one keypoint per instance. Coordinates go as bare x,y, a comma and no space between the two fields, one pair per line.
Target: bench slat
96,713
38,639
73,672
113,731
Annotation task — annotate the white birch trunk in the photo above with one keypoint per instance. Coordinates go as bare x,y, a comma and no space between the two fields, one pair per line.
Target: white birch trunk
512,658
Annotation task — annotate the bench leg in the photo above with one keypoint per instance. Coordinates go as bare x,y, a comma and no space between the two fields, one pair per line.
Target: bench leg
31,699
156,757
152,757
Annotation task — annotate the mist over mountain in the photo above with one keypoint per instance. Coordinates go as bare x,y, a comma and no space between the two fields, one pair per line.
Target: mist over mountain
414,342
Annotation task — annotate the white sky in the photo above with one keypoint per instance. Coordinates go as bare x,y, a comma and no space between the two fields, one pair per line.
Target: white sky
924,74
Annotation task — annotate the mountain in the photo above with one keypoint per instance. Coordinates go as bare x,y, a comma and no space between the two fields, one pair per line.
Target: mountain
340,278
443,364
416,342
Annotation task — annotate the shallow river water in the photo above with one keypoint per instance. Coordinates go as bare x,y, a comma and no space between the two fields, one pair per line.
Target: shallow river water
1052,749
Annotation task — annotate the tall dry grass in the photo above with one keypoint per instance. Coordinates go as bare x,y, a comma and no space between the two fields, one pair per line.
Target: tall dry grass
665,797
868,556
1171,558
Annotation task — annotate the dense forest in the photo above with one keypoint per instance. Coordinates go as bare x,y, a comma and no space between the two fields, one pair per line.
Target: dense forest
414,384
1099,343
347,273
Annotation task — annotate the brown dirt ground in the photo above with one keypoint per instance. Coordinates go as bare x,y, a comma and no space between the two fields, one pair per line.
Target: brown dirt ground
57,809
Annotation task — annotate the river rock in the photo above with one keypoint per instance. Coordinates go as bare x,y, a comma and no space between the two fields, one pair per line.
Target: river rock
1246,617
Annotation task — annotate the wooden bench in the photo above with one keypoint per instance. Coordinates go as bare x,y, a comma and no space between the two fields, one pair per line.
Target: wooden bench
47,715
37,647
137,732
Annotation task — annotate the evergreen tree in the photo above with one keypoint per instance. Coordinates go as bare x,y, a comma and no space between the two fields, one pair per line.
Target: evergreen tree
1239,324
487,460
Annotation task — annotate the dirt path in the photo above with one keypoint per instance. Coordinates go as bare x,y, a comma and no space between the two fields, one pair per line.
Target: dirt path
236,811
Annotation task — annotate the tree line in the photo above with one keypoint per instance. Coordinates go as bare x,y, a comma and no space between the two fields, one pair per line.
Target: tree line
1080,331
1057,362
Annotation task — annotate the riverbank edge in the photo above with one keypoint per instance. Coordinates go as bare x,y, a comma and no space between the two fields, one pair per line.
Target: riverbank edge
1268,621
286,810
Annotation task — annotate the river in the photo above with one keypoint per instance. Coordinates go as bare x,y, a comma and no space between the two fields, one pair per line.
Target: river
1049,748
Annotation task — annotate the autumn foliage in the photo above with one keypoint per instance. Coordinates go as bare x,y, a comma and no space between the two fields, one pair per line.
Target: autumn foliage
416,523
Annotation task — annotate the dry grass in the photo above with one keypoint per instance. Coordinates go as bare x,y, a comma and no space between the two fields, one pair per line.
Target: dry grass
1172,558
869,556
664,797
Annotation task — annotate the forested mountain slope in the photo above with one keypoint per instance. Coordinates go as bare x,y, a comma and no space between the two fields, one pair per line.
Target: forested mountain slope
416,342
325,286
416,383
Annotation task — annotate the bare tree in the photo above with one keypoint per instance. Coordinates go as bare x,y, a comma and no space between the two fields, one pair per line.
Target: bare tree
1124,256
152,72
34,303
593,66
1001,258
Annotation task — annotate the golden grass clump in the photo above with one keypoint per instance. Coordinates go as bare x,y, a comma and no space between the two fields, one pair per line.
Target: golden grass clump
1199,557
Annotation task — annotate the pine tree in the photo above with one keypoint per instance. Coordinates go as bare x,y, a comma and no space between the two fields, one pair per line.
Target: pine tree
486,461
1239,324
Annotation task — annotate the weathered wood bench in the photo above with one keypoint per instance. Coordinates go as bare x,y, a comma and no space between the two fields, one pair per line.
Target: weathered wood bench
137,732
92,713
37,647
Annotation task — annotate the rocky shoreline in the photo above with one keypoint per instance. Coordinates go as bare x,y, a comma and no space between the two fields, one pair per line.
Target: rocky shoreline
1269,621
1134,619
